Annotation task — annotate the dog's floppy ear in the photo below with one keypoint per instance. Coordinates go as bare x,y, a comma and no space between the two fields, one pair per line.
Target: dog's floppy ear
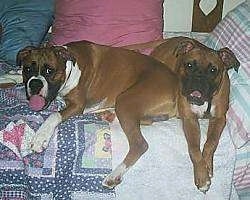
22,54
229,59
63,52
184,47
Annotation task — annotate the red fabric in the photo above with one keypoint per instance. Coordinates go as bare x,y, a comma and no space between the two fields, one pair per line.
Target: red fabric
110,22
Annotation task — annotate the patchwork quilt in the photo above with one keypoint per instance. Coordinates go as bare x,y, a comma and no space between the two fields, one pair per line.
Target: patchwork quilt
72,167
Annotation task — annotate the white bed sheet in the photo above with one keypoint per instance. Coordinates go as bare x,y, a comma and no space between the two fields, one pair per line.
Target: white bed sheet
165,170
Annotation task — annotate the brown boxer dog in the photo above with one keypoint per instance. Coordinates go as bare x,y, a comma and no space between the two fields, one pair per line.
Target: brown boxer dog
139,88
204,93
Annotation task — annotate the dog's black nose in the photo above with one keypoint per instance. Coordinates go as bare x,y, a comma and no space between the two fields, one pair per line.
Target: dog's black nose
35,86
199,73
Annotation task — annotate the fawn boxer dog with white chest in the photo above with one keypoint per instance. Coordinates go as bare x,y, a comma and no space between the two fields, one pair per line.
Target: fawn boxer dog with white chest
139,88
204,93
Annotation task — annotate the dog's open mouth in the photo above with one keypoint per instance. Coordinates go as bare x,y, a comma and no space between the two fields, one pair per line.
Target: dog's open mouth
196,97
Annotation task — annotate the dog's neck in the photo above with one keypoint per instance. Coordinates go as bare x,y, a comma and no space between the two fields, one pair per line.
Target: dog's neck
73,74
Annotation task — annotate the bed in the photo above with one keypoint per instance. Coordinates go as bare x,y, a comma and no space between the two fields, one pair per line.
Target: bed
85,148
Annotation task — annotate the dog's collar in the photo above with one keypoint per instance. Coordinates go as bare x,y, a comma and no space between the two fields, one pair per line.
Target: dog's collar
73,74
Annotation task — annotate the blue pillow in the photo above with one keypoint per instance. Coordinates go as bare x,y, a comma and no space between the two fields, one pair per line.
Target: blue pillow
24,23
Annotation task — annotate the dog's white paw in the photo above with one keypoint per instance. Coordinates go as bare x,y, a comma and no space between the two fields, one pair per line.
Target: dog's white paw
206,187
115,178
41,140
111,181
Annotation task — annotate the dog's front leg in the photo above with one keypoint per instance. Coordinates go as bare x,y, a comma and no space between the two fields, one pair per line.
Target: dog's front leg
129,117
215,128
192,133
40,141
137,147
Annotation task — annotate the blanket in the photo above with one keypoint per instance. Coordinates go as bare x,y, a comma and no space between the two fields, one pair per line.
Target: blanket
165,171
72,167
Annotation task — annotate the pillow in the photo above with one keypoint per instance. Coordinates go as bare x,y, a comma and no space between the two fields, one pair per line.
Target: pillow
233,31
110,22
24,23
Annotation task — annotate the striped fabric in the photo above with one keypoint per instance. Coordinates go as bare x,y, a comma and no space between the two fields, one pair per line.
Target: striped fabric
242,172
234,32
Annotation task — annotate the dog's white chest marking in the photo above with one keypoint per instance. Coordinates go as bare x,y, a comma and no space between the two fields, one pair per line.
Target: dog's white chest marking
44,133
200,110
73,74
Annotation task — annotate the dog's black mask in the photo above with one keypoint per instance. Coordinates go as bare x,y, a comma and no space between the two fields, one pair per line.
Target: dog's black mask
199,83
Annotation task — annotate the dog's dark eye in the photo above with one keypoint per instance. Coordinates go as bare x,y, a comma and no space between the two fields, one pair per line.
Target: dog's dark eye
27,69
49,71
30,69
189,66
213,70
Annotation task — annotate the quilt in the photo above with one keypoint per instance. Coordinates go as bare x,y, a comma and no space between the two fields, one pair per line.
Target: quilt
72,167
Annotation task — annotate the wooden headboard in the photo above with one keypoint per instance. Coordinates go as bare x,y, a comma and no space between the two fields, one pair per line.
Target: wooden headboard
195,15
206,23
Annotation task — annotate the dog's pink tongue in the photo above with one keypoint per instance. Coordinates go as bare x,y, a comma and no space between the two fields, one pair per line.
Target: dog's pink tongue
196,93
36,102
